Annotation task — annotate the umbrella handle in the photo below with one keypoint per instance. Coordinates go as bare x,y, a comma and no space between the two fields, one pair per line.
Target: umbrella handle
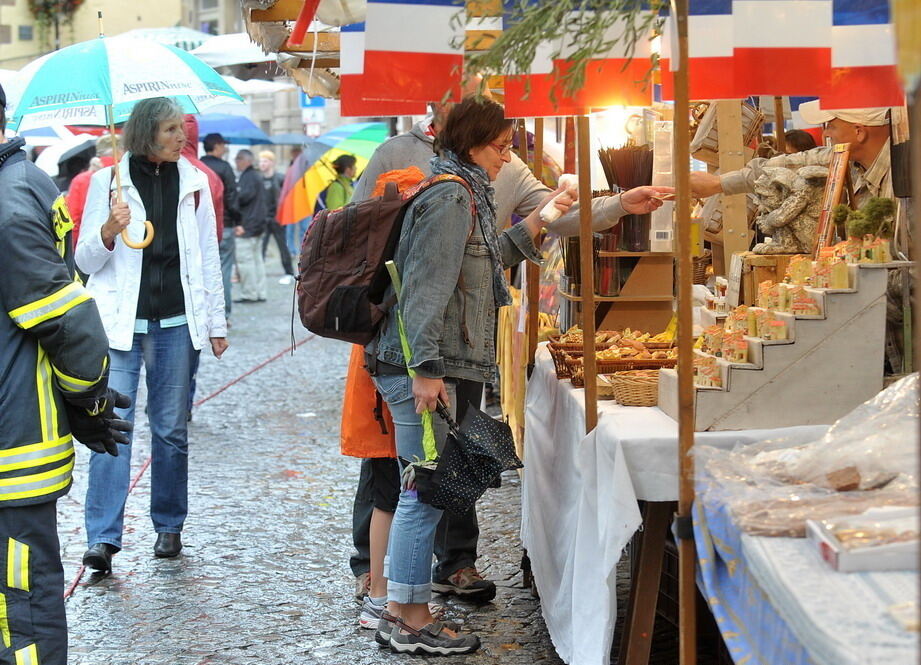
148,237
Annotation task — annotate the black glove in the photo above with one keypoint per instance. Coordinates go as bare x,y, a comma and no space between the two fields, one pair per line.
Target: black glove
95,424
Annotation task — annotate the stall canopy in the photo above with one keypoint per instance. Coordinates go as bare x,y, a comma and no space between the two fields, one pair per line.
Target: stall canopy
233,49
235,128
179,36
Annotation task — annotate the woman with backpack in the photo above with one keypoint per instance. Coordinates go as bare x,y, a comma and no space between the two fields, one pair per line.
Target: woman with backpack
451,260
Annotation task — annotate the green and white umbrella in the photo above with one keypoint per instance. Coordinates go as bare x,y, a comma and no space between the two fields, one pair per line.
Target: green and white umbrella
79,84
98,82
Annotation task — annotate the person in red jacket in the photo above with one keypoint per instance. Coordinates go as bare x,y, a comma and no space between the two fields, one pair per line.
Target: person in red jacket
216,185
76,195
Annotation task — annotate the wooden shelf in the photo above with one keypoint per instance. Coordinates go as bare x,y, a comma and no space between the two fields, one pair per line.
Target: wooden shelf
609,255
598,298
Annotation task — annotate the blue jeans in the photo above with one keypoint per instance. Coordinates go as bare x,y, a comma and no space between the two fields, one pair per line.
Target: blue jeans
408,564
294,234
166,353
227,250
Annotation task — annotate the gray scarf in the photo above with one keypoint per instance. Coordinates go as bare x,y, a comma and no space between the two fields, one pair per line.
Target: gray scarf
483,197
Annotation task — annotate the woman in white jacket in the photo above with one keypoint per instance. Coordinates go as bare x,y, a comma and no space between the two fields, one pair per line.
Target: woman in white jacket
159,305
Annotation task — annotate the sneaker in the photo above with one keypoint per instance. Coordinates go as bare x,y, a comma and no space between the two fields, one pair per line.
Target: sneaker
430,639
362,586
387,621
467,583
370,615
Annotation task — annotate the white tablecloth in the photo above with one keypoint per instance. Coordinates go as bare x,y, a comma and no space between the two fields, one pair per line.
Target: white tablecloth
579,500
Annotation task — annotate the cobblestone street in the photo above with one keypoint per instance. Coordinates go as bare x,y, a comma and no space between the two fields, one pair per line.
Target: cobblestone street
264,574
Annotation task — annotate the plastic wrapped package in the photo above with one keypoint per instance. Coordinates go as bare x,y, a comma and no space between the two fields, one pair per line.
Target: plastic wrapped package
869,458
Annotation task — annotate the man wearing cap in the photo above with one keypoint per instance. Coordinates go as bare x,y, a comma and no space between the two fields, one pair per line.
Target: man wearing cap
868,132
54,371
215,148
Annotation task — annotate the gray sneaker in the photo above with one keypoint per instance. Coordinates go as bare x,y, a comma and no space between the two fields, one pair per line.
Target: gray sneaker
431,639
387,621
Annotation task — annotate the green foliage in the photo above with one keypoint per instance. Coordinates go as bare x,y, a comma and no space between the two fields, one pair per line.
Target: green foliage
875,218
49,12
578,28
840,214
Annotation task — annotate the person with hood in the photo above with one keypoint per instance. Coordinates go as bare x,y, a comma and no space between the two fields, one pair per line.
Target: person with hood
54,373
216,187
159,305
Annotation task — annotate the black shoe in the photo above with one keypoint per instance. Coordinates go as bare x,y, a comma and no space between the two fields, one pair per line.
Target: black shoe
99,556
468,584
245,300
168,545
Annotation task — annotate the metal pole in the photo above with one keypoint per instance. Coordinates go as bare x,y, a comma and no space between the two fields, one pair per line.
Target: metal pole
687,618
589,365
779,136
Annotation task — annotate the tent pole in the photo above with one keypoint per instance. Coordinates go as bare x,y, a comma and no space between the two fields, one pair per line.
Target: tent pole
587,270
533,270
687,618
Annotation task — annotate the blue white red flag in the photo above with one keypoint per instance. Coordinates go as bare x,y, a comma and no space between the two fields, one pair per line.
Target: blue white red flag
414,51
352,80
620,77
864,72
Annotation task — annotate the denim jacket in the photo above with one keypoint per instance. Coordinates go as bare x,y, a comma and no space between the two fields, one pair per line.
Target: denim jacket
447,302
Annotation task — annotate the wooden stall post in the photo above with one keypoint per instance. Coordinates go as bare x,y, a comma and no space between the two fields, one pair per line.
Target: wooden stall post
533,270
687,589
735,233
779,135
589,364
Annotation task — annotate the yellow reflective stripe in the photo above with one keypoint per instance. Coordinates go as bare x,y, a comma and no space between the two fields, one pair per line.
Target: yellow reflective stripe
5,623
46,454
27,656
49,307
75,385
38,484
17,565
47,409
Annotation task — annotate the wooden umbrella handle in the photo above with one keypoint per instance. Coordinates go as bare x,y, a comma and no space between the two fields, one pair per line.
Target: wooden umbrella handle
148,237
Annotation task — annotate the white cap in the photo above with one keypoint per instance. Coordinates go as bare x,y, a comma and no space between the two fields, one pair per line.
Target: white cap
873,117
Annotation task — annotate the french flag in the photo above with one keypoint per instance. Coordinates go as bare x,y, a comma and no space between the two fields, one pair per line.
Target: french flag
618,78
414,51
864,72
711,68
782,47
352,82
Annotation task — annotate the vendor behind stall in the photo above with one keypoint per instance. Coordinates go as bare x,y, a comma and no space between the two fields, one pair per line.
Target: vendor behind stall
868,132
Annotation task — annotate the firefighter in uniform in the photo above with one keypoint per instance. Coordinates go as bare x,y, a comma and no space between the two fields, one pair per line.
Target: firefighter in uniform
53,389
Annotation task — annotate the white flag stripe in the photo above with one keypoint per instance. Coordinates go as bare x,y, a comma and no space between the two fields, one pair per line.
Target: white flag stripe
710,36
782,23
620,49
351,52
412,28
484,23
863,46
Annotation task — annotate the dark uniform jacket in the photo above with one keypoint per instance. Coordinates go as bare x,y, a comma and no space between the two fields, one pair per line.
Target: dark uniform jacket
52,342
251,197
225,172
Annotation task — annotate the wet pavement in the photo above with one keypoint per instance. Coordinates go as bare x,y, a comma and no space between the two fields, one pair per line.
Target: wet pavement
264,577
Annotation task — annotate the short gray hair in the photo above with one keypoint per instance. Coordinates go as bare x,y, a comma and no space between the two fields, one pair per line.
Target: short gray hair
144,124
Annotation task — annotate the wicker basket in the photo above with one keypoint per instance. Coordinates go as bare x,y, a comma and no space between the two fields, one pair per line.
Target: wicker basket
559,363
700,267
632,390
555,343
612,366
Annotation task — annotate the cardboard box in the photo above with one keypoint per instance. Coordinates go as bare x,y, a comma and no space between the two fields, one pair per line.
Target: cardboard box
903,555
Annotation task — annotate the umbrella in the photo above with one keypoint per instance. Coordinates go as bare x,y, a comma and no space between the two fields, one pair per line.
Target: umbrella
102,79
77,84
358,138
46,136
52,156
179,36
290,139
89,145
233,49
234,128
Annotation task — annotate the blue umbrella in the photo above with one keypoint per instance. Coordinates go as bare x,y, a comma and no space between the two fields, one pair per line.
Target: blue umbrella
290,139
234,128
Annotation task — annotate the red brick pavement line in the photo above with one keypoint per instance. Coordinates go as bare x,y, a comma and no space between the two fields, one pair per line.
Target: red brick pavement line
76,582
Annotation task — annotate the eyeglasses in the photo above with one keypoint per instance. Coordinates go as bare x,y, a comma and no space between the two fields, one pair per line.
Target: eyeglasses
503,150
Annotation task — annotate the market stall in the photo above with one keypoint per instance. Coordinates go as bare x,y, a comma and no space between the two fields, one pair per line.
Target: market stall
789,329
